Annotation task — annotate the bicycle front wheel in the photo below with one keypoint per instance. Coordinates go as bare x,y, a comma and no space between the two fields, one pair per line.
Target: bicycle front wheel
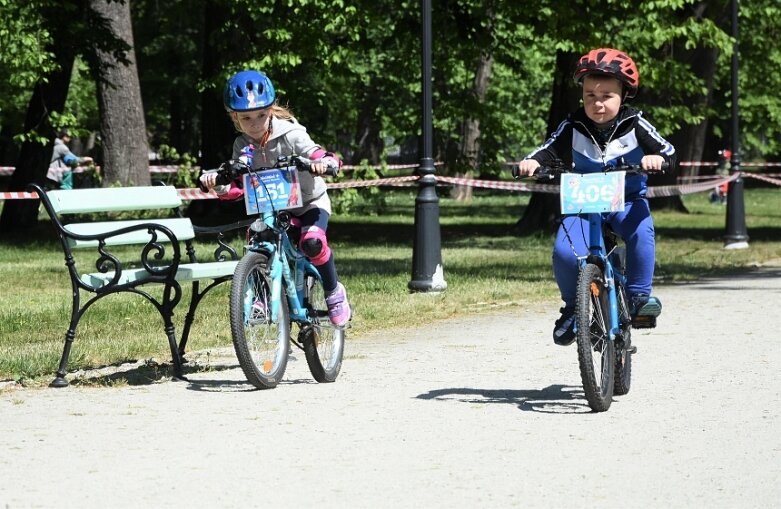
323,343
261,341
596,352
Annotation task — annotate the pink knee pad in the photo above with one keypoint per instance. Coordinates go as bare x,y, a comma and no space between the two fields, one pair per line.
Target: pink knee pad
314,244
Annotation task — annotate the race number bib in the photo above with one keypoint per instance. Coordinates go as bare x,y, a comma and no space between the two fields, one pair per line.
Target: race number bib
589,193
269,190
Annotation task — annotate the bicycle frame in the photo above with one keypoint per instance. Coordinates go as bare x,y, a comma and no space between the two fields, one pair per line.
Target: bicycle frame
283,272
598,253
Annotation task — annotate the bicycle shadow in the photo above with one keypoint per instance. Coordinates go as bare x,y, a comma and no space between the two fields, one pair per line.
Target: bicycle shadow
238,382
199,376
554,399
232,385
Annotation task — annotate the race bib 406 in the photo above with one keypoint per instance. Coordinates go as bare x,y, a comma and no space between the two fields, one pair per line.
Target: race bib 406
589,193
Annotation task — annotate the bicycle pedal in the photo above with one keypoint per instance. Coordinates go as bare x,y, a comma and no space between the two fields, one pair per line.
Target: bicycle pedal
644,322
632,350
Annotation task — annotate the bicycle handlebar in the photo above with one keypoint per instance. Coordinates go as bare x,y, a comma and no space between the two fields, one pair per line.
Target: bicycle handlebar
547,173
230,170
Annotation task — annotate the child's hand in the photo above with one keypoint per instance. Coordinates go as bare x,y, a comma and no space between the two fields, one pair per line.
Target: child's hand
652,163
322,165
317,167
526,167
208,180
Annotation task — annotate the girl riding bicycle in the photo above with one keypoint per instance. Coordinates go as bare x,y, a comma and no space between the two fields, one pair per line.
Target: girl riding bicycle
268,132
599,134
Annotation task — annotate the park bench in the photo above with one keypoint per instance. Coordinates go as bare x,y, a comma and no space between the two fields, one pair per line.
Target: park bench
158,247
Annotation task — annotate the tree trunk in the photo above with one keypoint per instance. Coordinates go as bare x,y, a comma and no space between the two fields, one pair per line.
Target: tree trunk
217,132
368,143
469,156
542,213
122,124
689,140
49,96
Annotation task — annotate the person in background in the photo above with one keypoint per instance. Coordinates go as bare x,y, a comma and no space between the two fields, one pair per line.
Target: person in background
64,161
719,193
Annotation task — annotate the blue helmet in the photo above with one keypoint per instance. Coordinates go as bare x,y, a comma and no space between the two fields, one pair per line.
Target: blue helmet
247,91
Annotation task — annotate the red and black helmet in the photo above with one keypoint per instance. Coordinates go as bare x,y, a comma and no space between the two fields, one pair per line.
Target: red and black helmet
611,62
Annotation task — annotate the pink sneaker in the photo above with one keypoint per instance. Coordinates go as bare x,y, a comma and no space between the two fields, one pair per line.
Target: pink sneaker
339,311
258,308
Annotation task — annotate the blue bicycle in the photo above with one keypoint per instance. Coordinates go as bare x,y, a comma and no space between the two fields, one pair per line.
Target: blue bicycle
275,285
603,317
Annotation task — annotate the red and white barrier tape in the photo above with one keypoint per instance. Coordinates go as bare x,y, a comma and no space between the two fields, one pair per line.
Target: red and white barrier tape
501,184
767,178
8,170
752,164
678,190
653,191
18,195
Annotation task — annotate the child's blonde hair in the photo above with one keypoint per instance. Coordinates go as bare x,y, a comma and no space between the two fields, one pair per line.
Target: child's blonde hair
277,111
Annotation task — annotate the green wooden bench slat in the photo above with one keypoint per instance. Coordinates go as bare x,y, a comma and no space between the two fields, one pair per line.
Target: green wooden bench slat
110,199
182,228
187,272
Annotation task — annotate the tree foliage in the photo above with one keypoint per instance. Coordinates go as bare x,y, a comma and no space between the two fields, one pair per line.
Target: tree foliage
351,70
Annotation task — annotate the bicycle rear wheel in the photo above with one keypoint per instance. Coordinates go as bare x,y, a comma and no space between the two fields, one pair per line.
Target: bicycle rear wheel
596,352
624,350
262,343
623,371
323,343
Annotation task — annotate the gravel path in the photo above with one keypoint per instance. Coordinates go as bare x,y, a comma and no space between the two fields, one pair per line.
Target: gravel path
483,411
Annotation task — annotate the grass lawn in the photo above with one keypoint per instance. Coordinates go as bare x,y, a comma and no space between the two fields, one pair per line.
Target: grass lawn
486,266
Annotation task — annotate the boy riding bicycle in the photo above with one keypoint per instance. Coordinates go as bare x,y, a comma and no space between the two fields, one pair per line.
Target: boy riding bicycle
600,133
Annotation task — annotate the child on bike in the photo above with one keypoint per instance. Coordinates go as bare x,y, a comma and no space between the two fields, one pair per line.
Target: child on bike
269,131
600,133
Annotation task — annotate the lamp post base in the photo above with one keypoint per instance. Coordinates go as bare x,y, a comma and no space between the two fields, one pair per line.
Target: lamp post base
436,284
736,244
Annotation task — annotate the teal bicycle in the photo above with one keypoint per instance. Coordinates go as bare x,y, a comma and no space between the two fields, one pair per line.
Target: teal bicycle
603,316
275,285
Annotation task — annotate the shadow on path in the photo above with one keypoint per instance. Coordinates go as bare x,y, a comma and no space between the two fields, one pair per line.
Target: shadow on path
555,399
237,385
141,373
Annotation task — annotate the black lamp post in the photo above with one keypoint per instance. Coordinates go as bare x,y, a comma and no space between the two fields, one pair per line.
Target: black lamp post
427,274
736,236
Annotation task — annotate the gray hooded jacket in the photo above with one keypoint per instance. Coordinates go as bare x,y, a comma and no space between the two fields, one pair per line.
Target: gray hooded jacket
287,138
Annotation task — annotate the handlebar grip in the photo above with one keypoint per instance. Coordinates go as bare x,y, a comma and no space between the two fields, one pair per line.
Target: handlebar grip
200,184
230,170
332,170
330,163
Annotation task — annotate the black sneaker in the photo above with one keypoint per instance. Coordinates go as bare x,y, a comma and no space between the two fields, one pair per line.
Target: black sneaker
646,305
564,330
645,309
